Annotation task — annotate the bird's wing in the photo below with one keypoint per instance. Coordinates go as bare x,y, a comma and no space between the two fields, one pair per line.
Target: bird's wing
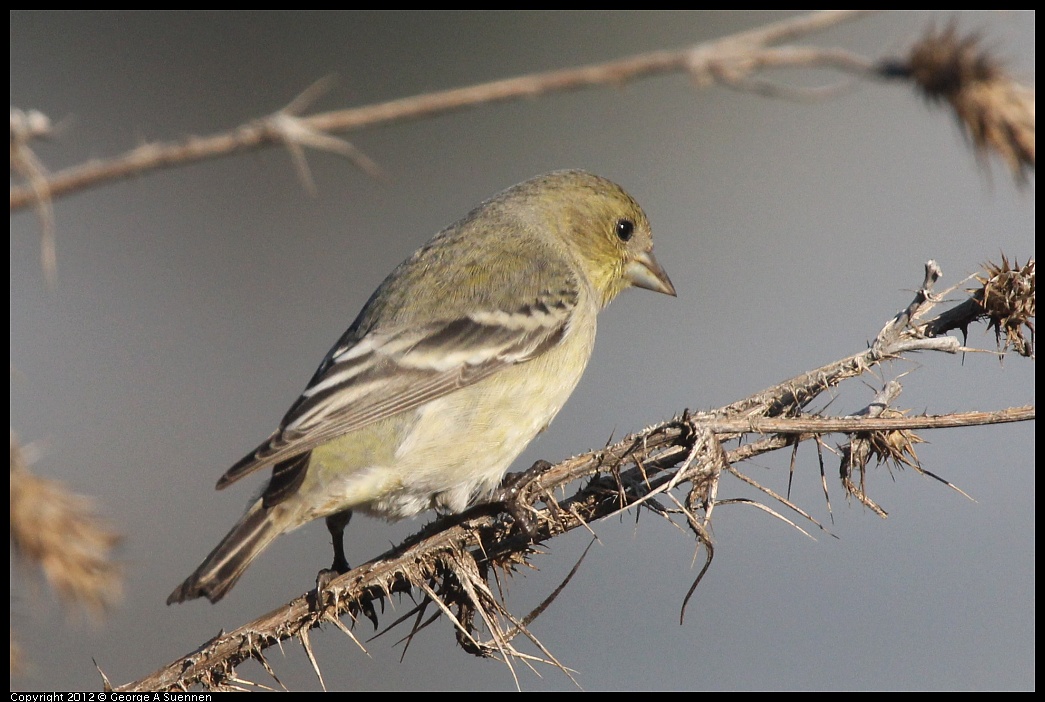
386,372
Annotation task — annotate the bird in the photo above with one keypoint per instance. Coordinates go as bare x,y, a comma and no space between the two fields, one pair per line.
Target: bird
463,354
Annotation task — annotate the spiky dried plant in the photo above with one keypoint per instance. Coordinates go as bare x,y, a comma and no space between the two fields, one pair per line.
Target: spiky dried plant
1007,297
62,533
995,111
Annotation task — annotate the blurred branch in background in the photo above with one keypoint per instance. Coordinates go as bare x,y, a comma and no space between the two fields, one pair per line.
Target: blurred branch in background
726,60
995,111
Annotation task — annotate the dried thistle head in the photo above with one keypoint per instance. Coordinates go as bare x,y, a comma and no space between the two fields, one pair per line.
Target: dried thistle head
1007,298
895,447
995,112
61,532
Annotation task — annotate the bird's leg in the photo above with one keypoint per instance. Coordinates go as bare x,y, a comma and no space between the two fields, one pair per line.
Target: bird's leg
336,524
514,495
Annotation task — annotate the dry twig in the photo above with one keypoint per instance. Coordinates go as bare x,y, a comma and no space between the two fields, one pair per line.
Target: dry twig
730,60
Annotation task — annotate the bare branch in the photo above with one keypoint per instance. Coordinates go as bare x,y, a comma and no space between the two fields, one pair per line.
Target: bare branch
727,59
845,425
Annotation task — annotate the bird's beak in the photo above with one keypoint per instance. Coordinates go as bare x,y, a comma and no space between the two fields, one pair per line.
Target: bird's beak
643,271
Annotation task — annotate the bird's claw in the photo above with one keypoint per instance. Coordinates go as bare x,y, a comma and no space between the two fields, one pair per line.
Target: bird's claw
514,495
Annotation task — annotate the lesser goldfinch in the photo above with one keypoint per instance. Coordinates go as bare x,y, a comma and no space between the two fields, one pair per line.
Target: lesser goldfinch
461,356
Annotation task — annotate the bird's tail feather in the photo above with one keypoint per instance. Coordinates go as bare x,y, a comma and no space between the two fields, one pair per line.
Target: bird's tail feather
227,562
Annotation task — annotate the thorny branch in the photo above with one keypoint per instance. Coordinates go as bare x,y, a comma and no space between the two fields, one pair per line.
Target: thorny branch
448,565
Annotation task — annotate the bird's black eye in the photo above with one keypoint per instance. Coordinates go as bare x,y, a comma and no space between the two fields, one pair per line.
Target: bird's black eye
625,228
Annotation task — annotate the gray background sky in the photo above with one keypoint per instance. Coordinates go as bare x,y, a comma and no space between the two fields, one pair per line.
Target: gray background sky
192,305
